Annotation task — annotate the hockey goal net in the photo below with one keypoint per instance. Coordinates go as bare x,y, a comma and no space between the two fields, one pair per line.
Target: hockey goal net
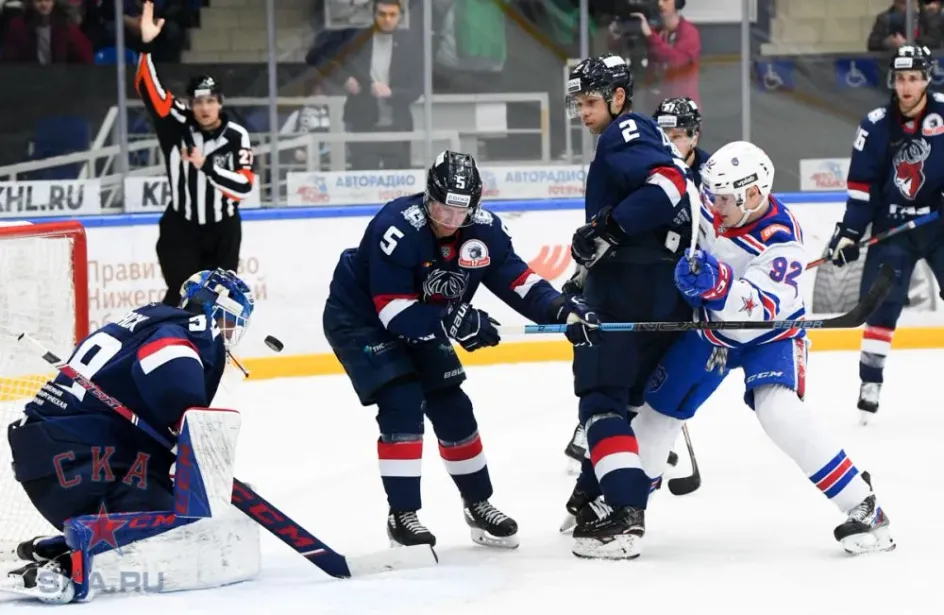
43,292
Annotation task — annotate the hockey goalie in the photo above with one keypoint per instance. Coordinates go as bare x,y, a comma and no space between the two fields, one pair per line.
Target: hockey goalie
107,485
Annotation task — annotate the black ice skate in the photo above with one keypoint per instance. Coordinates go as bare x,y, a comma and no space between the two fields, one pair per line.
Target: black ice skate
576,449
868,400
41,549
490,526
405,530
865,529
582,509
49,581
616,536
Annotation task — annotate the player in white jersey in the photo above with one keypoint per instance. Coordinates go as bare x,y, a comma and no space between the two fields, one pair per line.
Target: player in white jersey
748,268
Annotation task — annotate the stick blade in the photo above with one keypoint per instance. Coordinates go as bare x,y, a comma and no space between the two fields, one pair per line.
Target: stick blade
684,485
399,558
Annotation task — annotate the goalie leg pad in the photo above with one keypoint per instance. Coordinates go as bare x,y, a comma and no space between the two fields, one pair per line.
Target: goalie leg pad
206,453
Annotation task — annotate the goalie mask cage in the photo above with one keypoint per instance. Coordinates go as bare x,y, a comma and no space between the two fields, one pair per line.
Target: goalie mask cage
43,292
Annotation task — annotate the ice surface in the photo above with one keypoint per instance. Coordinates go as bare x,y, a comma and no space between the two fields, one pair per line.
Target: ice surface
755,539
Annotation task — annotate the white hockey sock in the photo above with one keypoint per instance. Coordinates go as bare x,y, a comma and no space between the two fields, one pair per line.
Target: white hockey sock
791,425
655,435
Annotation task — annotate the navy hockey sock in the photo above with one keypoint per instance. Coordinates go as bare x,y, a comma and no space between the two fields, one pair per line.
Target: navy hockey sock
400,446
450,412
876,344
614,452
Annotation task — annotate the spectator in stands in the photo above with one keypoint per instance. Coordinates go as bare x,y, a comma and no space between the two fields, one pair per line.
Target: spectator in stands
889,32
45,34
88,15
377,69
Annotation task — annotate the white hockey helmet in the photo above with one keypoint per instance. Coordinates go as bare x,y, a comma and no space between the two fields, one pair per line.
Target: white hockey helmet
732,170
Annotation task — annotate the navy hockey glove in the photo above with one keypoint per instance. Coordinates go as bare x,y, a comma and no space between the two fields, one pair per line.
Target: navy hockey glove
703,280
472,328
583,325
592,241
574,286
843,248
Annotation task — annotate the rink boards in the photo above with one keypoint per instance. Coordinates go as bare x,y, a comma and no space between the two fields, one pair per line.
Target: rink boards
289,254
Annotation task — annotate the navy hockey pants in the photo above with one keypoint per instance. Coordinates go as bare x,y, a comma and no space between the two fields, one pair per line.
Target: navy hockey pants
612,375
409,382
65,475
903,252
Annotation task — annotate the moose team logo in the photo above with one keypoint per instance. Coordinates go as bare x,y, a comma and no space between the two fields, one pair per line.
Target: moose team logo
442,286
909,167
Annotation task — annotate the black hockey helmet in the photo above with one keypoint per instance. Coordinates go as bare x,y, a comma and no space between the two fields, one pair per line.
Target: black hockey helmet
454,180
599,75
204,85
911,57
681,112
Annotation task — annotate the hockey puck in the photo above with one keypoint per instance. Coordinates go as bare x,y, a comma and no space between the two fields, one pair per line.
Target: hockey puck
274,343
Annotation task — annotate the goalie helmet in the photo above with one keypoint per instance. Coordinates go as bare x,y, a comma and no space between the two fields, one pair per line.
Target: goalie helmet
599,75
732,171
223,298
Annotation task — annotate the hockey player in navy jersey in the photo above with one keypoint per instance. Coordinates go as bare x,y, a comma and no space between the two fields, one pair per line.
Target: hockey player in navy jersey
397,301
896,174
749,267
638,216
681,120
75,457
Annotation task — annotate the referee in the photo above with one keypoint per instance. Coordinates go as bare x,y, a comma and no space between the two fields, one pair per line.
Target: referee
209,165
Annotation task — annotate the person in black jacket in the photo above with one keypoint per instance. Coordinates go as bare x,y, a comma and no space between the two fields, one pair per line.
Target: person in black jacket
377,68
209,162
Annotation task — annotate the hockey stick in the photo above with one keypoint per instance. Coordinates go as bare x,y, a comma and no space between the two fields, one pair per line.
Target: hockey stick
259,509
907,226
684,485
850,320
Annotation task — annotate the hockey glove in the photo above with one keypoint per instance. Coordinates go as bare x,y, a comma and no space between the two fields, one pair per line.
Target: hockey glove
592,241
583,325
843,248
472,328
703,280
574,286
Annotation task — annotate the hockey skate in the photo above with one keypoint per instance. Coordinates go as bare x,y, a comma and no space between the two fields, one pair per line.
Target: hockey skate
405,530
616,536
490,526
581,509
41,549
868,401
865,529
49,582
576,450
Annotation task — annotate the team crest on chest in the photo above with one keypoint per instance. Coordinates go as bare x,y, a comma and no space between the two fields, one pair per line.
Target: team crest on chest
442,284
909,167
474,254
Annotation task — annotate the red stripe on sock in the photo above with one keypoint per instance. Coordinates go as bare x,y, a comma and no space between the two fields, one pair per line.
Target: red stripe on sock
400,450
613,444
463,451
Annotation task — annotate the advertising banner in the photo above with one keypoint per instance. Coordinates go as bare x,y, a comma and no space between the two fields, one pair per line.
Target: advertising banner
35,199
153,195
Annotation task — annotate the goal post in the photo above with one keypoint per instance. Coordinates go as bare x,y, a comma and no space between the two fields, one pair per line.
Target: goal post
43,292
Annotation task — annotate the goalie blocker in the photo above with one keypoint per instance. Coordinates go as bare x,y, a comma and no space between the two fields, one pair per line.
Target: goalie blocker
191,538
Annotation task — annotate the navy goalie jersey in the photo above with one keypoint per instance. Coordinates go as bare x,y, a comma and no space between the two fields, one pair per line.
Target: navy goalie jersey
402,277
897,168
159,361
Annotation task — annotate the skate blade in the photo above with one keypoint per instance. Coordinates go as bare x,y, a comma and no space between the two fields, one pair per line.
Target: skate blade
876,541
617,548
481,537
56,590
568,524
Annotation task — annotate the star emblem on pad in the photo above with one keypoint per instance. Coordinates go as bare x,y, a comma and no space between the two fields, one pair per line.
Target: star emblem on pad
103,528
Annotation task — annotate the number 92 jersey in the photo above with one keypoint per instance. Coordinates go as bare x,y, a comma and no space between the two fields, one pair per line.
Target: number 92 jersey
157,360
767,259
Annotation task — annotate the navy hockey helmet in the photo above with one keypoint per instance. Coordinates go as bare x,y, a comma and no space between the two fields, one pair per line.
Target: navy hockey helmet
204,85
679,112
599,75
911,57
223,298
454,180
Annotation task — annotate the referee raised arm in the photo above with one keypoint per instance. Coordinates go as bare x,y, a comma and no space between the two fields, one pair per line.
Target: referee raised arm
209,165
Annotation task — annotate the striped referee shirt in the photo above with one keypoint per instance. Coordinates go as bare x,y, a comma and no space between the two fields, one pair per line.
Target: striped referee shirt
212,193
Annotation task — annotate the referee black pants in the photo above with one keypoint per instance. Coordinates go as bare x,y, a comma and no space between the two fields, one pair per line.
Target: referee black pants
184,248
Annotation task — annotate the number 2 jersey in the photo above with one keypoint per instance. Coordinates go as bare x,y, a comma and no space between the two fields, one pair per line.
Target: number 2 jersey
159,361
402,278
767,258
897,167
